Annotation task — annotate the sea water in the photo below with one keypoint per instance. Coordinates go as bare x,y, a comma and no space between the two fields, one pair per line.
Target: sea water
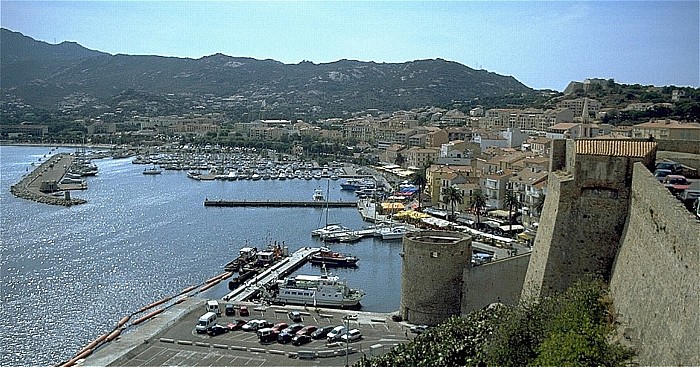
68,274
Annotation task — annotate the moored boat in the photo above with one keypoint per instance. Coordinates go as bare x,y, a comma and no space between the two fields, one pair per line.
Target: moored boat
330,258
317,290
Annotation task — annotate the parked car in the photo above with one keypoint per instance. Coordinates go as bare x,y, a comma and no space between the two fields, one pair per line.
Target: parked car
661,173
293,328
295,316
676,183
351,335
267,335
254,325
278,327
351,317
301,339
336,333
307,330
230,310
217,330
419,329
322,332
243,311
236,325
284,337
674,167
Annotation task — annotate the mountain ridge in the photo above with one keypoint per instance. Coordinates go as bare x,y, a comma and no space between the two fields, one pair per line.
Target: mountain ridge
43,74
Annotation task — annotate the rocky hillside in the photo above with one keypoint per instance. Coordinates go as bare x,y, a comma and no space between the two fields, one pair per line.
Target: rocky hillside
43,74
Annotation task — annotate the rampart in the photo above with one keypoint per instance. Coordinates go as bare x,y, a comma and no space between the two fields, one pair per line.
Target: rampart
585,212
655,283
499,281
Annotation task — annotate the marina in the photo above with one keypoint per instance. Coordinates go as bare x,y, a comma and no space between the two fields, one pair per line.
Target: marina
280,204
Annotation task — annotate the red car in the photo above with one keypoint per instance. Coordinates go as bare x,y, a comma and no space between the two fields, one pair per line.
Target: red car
236,325
307,330
279,327
243,311
676,183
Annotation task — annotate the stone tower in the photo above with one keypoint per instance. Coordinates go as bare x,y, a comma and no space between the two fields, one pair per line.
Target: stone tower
584,213
431,276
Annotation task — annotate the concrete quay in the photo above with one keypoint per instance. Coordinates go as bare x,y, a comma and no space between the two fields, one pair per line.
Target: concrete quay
53,169
170,340
281,269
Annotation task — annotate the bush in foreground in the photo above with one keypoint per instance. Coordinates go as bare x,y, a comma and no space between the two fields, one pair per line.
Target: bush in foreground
568,329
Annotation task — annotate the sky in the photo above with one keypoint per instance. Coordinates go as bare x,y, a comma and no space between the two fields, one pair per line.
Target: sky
543,44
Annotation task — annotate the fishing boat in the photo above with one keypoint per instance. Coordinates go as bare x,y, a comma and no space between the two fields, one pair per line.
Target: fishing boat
330,258
317,290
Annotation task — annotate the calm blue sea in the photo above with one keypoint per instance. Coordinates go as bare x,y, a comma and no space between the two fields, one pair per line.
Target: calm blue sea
67,275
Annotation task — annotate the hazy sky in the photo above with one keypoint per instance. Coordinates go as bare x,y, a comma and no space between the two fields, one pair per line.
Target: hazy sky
544,44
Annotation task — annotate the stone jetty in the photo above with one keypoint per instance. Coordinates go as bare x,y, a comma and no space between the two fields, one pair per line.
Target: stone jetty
48,173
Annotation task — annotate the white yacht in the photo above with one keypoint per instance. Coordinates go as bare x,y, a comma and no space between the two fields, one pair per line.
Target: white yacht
393,232
318,290
331,228
318,195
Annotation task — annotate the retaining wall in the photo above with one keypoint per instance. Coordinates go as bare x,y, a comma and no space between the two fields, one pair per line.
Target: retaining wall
499,281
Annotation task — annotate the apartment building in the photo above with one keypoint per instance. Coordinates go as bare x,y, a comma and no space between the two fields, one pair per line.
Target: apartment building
493,187
576,106
440,176
421,157
667,129
529,186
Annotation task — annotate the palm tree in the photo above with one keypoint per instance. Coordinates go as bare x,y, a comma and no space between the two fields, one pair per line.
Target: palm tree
478,203
419,179
510,200
450,196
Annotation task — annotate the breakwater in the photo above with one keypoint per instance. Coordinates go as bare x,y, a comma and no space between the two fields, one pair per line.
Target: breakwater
52,170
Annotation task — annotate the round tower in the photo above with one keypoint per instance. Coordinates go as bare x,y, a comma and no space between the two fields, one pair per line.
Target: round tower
431,275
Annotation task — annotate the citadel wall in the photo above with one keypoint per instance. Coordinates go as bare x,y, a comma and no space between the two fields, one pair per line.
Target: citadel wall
499,281
655,282
584,213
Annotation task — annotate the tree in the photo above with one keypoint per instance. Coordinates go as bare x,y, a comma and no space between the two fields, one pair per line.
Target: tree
511,201
419,179
478,203
450,196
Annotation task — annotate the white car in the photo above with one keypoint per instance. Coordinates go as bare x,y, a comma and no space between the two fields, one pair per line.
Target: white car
351,317
336,333
251,325
352,335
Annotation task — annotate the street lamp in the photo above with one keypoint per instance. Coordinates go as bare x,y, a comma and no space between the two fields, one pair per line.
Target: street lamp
347,339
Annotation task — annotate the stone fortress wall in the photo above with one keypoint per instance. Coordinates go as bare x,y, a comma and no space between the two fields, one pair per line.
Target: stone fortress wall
655,283
585,212
499,281
431,275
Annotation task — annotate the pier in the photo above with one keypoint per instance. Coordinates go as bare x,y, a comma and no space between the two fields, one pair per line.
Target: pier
280,204
276,271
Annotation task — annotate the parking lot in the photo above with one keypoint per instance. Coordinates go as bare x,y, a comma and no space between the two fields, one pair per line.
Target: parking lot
181,345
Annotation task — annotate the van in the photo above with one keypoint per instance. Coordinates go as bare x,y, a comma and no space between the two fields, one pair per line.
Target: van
213,306
267,335
205,322
336,333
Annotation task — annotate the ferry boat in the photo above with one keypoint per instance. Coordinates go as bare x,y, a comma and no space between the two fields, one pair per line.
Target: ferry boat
330,258
319,291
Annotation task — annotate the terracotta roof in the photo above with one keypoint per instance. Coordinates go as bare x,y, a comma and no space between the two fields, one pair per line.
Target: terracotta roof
615,148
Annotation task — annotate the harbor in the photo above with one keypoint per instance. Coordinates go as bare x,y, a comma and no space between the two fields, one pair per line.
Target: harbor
280,204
